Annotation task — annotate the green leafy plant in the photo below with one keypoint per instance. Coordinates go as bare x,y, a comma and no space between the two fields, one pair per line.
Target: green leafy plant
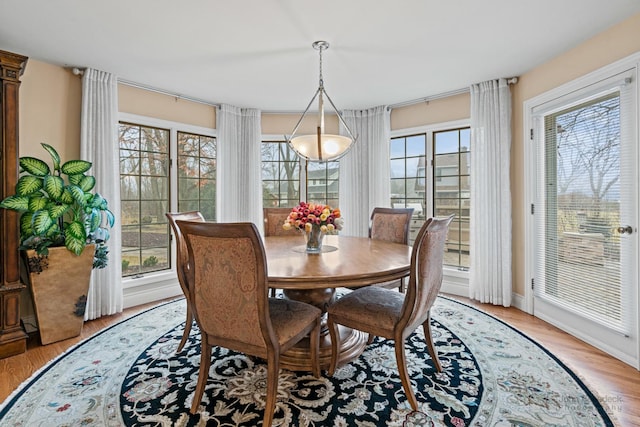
59,208
150,262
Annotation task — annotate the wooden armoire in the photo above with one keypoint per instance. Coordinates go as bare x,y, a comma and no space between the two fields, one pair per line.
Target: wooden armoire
13,339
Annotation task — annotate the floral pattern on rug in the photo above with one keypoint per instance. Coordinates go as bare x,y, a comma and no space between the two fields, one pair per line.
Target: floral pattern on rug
129,374
366,392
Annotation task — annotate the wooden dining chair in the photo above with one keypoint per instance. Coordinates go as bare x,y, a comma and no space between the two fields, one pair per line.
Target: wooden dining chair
273,220
181,258
386,313
391,225
228,285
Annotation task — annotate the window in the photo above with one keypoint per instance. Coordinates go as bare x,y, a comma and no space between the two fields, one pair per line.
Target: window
283,177
446,192
197,174
280,175
149,190
322,182
408,173
144,188
451,193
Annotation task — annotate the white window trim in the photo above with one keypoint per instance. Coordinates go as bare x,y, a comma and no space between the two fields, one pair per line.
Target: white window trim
455,281
163,284
529,153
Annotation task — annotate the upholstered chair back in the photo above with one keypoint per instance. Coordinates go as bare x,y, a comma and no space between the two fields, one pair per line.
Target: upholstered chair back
228,283
391,225
426,275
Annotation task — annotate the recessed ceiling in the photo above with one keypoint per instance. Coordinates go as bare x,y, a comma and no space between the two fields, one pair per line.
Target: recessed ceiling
257,53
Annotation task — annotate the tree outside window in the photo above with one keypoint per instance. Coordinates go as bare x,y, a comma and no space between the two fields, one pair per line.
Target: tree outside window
144,189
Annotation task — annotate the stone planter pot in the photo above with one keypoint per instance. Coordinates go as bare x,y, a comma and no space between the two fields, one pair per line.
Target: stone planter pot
59,284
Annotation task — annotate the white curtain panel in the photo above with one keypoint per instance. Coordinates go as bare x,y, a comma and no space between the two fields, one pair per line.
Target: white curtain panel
99,145
365,170
239,164
490,228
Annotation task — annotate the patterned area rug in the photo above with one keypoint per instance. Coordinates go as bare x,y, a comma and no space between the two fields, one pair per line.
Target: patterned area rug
130,375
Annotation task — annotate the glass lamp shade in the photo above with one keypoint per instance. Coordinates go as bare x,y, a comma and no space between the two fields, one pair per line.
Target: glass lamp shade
331,146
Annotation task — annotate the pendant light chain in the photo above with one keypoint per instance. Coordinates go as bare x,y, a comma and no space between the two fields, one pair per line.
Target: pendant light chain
321,147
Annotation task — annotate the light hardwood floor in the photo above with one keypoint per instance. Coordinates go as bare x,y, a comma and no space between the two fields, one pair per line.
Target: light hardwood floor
617,383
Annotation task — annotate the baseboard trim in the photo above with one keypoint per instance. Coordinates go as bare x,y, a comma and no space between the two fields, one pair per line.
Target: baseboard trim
518,302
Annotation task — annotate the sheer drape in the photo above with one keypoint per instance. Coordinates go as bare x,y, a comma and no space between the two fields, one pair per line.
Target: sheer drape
99,145
239,162
490,235
365,170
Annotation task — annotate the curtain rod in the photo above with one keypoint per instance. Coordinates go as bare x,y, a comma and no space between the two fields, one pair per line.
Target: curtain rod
429,98
78,71
511,80
165,92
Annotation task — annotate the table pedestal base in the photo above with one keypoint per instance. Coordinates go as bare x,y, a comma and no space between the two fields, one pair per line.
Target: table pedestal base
352,342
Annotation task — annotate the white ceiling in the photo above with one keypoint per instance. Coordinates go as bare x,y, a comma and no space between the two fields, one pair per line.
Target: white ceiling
257,53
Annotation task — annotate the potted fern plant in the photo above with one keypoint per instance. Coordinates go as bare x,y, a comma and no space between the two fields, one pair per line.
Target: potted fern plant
64,227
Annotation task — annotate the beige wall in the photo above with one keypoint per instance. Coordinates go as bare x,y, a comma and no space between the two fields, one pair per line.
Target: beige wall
431,112
50,98
281,124
50,102
152,104
607,47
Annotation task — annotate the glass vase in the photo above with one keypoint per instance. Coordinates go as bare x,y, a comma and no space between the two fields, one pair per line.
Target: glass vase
314,239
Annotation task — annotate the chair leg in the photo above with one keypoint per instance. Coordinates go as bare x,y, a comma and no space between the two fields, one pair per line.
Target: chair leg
273,368
203,373
370,339
335,344
314,348
187,330
404,374
426,326
272,292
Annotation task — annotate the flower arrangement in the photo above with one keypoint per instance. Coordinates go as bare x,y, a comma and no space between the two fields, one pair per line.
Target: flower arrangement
307,215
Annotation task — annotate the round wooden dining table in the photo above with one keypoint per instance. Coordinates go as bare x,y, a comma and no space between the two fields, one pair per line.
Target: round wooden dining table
345,262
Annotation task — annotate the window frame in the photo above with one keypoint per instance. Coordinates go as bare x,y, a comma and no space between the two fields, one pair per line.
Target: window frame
459,176
303,169
164,278
200,158
138,226
583,83
455,281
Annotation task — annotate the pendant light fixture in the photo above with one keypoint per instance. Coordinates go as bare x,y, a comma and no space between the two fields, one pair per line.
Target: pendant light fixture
321,147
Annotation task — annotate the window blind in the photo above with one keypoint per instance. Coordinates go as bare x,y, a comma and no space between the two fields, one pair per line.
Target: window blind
585,198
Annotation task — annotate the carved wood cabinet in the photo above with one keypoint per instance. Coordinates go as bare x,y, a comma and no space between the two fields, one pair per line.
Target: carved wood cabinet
13,339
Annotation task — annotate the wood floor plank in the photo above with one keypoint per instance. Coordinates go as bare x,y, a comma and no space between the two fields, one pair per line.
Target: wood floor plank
616,383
